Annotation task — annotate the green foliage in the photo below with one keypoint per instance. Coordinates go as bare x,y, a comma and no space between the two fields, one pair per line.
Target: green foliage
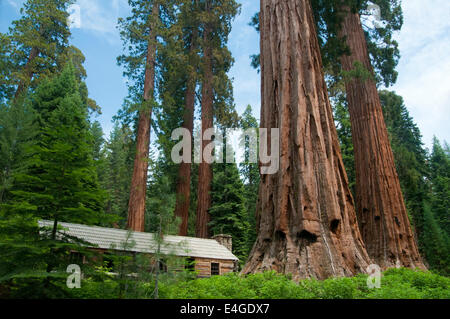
57,181
119,158
395,284
42,27
61,182
440,178
17,131
251,178
227,210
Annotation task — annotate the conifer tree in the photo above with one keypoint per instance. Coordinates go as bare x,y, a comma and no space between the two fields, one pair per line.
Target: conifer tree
216,92
139,33
440,180
190,23
58,184
119,158
306,220
36,41
382,213
250,174
228,215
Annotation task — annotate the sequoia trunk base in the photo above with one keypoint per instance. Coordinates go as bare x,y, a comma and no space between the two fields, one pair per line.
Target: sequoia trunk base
382,215
305,213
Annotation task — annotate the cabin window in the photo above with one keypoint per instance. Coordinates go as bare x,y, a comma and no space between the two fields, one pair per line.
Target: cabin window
76,258
189,264
108,260
162,265
215,269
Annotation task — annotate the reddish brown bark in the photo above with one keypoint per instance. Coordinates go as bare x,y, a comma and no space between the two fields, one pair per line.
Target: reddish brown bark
205,171
381,211
305,213
136,207
184,171
29,72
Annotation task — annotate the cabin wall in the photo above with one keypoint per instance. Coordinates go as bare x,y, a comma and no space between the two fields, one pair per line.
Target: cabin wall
203,266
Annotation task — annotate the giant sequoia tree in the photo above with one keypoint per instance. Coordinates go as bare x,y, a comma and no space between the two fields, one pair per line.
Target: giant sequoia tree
190,23
306,218
216,99
205,170
382,214
139,31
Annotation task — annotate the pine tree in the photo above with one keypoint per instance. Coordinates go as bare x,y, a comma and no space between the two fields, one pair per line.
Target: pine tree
190,22
62,180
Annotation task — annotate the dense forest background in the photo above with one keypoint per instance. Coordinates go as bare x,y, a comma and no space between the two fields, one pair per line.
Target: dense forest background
57,164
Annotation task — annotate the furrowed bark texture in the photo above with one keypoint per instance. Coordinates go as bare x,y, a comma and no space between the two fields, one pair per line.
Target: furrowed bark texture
136,207
184,171
305,213
381,211
29,73
205,171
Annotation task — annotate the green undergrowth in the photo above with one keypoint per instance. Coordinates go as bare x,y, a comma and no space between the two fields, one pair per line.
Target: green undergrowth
395,284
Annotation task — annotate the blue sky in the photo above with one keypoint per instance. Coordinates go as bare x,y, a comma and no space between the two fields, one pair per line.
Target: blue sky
424,69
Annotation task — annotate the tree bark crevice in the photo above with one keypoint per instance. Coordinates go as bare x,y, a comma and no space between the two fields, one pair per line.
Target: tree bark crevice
381,210
299,204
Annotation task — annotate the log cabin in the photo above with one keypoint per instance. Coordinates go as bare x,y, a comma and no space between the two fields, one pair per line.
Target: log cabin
207,257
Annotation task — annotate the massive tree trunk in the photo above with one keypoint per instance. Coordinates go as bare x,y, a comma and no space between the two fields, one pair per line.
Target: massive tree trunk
184,171
381,211
136,206
205,171
305,213
29,72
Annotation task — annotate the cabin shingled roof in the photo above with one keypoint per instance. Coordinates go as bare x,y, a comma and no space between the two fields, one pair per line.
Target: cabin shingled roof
114,239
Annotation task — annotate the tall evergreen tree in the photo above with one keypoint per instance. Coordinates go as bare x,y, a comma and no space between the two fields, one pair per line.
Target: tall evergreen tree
119,158
440,180
382,213
190,22
36,41
59,183
139,33
216,97
250,174
17,132
305,215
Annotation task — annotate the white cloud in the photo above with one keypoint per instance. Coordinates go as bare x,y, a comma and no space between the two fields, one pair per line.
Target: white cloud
424,68
15,3
100,17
